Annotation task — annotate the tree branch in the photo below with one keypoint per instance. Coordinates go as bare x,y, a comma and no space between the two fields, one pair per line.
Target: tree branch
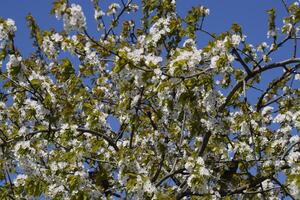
95,133
168,176
240,60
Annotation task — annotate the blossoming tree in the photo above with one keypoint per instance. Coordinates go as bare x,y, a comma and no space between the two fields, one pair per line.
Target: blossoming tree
188,126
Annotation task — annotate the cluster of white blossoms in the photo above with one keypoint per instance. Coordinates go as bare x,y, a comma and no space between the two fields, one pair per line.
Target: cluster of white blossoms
55,190
186,58
48,47
212,100
20,180
262,47
245,130
143,185
7,29
219,55
98,14
22,145
74,19
271,33
138,54
112,8
286,117
13,62
236,40
293,185
199,174
91,57
34,106
205,10
158,30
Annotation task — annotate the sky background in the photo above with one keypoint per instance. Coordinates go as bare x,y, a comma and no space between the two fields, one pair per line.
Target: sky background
251,14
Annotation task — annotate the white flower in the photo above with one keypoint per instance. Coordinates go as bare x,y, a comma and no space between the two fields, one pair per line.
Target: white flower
189,165
2,105
266,58
200,161
112,8
213,61
294,189
230,58
282,117
75,19
158,71
20,180
11,25
150,58
295,139
245,129
262,47
273,46
136,55
279,118
56,37
59,10
197,183
267,184
236,39
186,59
48,47
62,165
133,7
12,62
266,110
203,171
98,14
82,174
39,109
148,186
22,131
92,58
6,28
271,33
54,189
293,157
159,28
211,100
22,145
297,76
205,10
35,75
190,42
135,100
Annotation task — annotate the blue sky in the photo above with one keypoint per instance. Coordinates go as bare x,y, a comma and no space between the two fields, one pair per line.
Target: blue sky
251,14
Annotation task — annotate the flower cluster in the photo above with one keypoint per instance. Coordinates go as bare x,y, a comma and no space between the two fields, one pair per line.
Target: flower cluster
74,19
7,30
